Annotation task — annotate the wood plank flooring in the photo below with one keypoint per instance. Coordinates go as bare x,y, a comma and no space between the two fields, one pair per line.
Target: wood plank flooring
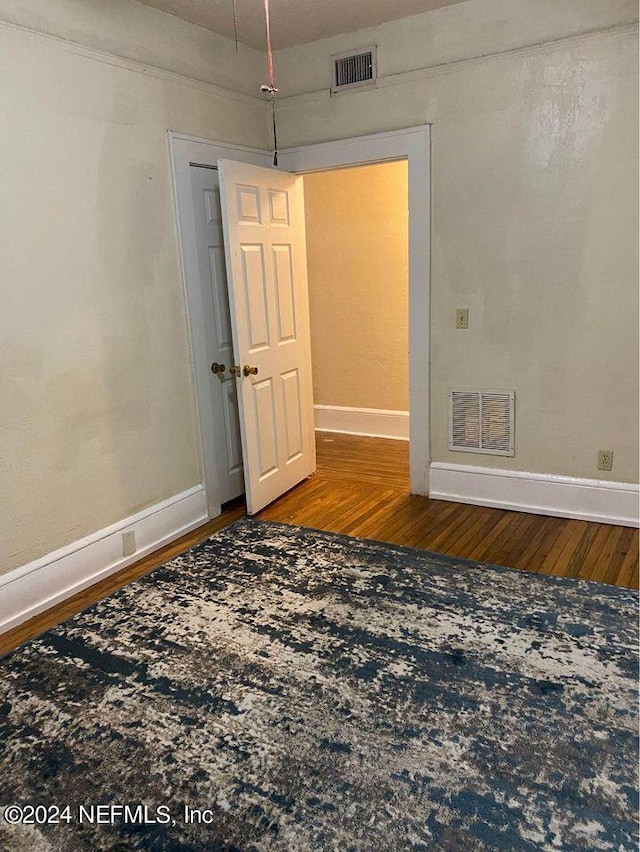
361,488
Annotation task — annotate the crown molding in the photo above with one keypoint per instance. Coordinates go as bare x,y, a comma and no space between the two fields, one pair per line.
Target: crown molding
107,58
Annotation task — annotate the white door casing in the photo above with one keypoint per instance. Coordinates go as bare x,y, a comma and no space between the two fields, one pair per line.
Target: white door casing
412,143
211,263
264,230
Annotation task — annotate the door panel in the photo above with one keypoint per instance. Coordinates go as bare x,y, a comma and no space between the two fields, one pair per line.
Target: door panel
263,223
232,427
263,408
211,266
286,311
249,208
255,285
220,298
279,207
292,419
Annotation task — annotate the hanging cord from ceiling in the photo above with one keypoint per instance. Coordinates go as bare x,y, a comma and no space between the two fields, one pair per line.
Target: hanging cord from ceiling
235,23
270,87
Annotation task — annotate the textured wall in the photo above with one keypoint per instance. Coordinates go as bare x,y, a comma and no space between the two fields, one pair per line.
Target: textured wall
534,210
97,417
357,266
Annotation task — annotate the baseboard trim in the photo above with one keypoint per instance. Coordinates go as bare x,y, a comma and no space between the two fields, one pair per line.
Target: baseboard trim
39,585
541,494
372,422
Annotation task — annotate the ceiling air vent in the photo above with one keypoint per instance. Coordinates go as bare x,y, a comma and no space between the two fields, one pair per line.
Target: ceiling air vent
354,69
482,421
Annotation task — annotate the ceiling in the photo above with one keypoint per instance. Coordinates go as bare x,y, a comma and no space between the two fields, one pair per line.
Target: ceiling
293,22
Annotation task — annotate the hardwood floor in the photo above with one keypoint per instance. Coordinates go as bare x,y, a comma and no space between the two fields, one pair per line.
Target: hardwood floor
361,488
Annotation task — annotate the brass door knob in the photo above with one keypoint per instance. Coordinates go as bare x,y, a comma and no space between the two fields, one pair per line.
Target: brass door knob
217,368
250,371
235,371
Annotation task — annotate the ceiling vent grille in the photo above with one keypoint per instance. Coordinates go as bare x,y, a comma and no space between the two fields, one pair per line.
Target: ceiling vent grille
482,421
351,70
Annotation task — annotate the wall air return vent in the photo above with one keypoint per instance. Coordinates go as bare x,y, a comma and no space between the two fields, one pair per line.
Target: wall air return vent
353,69
482,421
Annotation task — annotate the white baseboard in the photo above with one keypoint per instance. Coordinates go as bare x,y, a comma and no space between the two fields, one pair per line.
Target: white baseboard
373,422
539,493
39,585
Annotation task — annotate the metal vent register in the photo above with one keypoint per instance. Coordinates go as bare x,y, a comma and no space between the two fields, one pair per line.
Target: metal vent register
482,421
354,69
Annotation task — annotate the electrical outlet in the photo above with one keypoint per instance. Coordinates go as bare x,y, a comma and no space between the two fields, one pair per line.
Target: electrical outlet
605,460
462,317
129,543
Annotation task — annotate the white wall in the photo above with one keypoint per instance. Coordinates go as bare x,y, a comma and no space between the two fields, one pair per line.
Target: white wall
534,200
97,416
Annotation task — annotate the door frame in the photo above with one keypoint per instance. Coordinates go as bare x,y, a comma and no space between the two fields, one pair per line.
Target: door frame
412,144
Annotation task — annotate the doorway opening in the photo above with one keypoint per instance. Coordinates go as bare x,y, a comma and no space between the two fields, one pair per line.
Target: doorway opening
357,267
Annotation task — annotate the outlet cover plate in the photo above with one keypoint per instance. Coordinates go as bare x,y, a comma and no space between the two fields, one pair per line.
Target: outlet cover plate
462,317
605,460
128,543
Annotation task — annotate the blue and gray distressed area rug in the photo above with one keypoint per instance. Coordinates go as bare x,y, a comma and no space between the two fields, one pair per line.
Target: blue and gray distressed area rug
279,688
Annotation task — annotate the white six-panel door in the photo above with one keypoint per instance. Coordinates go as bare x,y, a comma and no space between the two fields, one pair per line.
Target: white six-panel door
211,267
263,223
